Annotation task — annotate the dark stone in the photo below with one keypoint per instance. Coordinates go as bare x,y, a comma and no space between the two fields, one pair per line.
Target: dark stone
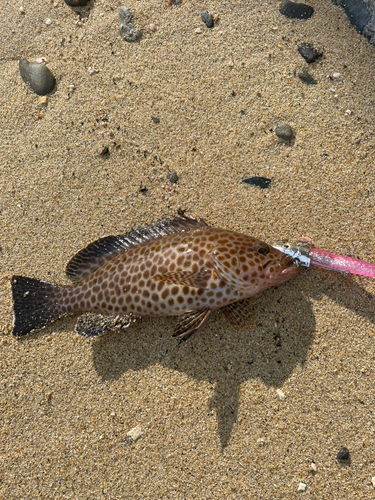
143,189
308,52
37,76
76,3
127,31
172,177
305,76
155,120
104,152
242,112
181,212
343,454
208,19
284,131
357,12
261,182
296,10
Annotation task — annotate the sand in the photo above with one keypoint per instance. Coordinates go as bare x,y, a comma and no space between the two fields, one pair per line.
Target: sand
214,425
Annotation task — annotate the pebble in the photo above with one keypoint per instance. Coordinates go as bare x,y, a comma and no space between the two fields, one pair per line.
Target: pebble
284,131
281,394
308,52
128,32
48,22
313,466
336,75
294,10
343,454
373,481
198,30
306,77
37,76
135,433
208,19
154,119
152,27
76,3
261,182
302,487
172,177
43,99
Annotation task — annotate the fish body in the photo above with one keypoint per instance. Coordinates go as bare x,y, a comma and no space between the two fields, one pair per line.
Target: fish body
179,267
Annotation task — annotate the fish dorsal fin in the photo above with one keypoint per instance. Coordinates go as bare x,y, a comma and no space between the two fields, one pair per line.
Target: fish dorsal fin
87,260
190,322
195,280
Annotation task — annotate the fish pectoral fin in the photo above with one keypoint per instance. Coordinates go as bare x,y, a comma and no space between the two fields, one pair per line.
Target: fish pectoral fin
190,322
93,325
240,314
195,280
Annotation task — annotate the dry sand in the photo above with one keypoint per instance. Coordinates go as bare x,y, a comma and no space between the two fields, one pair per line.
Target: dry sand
214,426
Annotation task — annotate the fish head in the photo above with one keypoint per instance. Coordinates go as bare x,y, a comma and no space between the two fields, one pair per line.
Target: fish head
251,265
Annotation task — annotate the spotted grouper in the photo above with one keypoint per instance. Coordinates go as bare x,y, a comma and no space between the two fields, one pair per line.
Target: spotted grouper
177,267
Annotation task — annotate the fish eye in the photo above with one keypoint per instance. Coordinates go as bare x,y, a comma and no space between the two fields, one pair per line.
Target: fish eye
263,250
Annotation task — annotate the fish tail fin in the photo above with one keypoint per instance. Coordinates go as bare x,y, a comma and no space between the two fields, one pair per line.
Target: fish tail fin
35,304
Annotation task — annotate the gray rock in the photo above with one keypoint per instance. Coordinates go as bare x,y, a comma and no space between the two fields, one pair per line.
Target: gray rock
308,52
208,19
260,182
172,177
357,11
76,3
284,131
128,32
306,77
37,76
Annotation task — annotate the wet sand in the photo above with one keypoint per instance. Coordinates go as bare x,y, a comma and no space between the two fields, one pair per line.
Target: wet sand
214,425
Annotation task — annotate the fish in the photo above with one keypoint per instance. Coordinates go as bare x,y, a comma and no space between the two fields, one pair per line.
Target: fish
177,267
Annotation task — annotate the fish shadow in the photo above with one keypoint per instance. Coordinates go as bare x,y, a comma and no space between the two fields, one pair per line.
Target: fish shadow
282,331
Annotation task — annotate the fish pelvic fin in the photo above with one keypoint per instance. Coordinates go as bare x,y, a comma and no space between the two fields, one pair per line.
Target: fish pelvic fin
35,304
189,323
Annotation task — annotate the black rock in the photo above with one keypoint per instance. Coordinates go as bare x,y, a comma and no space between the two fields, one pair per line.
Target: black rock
154,119
296,10
172,177
143,189
208,19
284,131
305,76
343,454
105,152
261,182
76,3
357,12
308,52
37,76
128,32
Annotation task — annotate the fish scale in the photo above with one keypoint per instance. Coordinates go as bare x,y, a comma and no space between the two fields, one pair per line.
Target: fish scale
179,267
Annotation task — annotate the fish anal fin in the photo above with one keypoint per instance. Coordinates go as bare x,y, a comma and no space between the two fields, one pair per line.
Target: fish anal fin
195,280
240,314
93,325
190,322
